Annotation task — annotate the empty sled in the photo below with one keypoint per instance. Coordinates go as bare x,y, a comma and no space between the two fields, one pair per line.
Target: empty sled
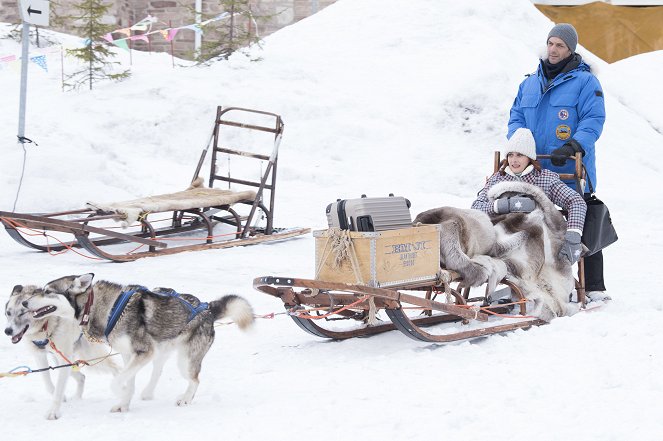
196,218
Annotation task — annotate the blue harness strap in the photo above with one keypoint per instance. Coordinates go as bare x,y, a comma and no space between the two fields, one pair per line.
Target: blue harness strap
193,311
119,306
124,298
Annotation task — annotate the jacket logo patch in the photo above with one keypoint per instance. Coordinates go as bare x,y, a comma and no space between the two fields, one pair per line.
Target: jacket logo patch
563,114
563,132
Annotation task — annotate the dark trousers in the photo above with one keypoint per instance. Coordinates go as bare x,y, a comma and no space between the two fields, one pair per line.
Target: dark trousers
594,268
594,272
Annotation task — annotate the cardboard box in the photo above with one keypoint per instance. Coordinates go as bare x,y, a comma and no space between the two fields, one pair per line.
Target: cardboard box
403,257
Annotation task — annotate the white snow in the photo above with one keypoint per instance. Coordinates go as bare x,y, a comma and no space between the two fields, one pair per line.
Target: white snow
378,97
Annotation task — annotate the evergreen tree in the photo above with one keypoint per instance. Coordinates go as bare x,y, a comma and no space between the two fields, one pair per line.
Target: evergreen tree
236,30
96,54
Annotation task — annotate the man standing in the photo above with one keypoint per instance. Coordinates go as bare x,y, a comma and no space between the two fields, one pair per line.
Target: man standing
562,104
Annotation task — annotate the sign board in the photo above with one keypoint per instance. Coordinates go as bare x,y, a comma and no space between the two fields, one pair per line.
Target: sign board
35,12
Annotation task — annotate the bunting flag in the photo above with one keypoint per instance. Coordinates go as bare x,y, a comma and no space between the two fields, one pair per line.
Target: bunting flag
140,37
7,58
194,27
217,18
121,44
168,34
40,60
172,33
125,31
144,24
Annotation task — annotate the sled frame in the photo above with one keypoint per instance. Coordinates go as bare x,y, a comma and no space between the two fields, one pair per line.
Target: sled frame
298,294
84,224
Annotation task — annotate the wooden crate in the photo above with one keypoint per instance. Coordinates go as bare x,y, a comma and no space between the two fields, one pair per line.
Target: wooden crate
405,256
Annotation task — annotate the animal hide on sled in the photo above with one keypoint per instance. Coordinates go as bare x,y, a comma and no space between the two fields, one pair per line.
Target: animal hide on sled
467,238
196,196
529,245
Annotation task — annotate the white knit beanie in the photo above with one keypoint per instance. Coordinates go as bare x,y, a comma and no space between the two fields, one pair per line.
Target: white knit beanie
522,141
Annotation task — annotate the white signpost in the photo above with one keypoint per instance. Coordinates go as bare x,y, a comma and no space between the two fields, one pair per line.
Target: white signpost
35,12
32,12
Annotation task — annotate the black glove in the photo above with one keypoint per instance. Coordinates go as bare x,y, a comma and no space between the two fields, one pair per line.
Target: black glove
559,156
514,204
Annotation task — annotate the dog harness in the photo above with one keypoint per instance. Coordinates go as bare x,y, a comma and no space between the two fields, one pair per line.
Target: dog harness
123,300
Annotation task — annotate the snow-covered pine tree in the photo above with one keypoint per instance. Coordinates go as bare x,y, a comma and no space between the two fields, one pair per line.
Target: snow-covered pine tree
87,20
237,29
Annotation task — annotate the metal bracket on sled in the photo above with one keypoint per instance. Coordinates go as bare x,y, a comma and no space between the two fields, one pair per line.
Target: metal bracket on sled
278,281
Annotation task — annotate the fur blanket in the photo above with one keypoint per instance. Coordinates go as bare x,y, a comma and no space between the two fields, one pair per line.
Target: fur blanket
524,247
467,239
196,196
529,245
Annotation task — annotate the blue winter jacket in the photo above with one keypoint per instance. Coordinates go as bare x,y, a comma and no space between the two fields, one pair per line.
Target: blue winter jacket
570,106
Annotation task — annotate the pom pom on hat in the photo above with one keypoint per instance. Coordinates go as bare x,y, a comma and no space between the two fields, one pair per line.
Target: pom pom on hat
522,141
567,33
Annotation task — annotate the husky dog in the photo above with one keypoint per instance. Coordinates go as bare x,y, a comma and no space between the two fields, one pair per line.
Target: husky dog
42,320
149,326
529,244
467,238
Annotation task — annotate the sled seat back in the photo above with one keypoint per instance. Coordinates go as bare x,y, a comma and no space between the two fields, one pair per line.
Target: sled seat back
231,117
578,175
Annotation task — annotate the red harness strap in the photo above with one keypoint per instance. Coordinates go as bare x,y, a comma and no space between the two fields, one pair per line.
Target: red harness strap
86,309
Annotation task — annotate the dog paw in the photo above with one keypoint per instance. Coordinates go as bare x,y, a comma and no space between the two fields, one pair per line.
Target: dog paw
53,415
119,408
183,401
147,396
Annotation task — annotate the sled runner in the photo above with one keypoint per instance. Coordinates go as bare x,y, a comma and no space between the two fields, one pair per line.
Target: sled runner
319,307
196,218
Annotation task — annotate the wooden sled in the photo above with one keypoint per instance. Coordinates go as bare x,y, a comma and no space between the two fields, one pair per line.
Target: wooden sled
194,218
391,280
435,309
319,307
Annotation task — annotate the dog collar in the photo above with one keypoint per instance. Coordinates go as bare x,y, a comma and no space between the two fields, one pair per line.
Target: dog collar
41,344
86,309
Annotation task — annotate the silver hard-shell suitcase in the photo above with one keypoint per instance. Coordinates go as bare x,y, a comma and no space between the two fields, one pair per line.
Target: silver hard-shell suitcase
370,214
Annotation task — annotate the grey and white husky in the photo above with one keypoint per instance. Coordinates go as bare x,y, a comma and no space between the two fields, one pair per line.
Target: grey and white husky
144,325
47,324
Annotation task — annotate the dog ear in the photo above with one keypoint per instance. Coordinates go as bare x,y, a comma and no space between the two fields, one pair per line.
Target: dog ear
83,282
17,290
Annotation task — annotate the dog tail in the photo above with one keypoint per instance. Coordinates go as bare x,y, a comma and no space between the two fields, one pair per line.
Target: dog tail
235,307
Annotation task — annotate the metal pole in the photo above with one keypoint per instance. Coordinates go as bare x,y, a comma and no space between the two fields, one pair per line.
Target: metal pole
197,42
25,36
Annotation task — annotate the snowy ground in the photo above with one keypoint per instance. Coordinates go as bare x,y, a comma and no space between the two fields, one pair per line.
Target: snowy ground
377,98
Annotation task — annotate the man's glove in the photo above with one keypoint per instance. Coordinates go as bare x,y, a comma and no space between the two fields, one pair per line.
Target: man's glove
514,204
572,247
559,156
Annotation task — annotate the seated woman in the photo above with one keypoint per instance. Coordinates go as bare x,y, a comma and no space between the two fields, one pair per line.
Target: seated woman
521,165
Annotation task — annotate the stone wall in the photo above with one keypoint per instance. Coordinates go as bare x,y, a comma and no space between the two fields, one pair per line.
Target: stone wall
174,13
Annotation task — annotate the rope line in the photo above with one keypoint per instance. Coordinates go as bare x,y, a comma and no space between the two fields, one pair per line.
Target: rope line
299,314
